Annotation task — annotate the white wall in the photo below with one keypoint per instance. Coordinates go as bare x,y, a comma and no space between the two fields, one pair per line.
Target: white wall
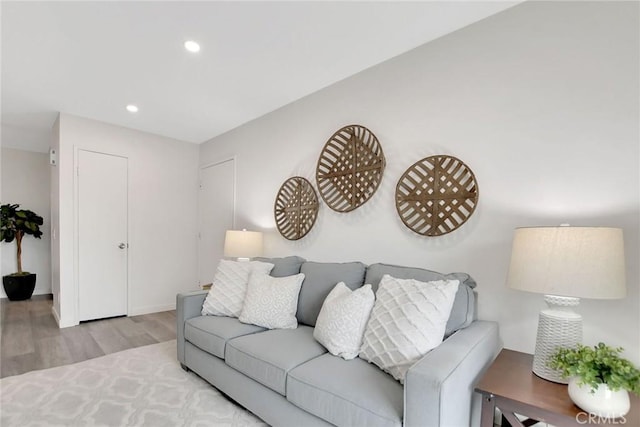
163,202
541,101
25,180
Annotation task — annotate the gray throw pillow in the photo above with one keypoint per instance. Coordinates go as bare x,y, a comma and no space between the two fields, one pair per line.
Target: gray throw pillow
320,279
282,267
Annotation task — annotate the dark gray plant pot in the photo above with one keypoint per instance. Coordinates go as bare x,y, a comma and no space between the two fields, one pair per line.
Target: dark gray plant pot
19,288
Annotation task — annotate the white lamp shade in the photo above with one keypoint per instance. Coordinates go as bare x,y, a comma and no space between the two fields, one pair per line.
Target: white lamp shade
242,244
583,262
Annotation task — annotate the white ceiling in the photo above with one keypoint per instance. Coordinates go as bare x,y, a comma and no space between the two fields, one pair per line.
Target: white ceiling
93,58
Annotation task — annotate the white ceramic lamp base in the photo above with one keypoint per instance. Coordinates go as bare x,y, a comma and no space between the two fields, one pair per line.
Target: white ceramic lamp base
558,326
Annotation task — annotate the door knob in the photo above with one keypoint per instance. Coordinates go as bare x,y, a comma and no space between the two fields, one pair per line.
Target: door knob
122,245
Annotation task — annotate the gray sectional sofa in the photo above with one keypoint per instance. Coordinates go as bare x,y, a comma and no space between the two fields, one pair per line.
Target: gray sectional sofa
288,379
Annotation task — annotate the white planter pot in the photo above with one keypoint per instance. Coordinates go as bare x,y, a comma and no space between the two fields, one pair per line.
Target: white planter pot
602,403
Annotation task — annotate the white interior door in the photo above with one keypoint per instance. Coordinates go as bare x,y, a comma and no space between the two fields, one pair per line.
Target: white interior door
102,235
217,210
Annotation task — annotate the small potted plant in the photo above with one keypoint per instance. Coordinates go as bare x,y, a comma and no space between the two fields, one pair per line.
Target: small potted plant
14,225
599,379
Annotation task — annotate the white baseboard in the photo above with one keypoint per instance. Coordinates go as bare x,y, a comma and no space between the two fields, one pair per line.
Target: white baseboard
138,311
57,317
41,291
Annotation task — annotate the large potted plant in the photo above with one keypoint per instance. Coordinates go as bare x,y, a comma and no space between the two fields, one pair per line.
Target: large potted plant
599,378
14,225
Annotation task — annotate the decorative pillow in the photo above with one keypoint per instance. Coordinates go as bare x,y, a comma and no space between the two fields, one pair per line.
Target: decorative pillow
271,302
463,311
226,296
343,318
407,321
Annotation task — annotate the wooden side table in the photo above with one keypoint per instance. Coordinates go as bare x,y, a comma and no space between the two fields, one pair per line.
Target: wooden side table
510,385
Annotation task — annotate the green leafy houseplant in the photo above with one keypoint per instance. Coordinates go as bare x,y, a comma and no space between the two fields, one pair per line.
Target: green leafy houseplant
596,365
15,224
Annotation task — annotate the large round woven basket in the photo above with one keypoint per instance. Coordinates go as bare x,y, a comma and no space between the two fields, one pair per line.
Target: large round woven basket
436,195
350,168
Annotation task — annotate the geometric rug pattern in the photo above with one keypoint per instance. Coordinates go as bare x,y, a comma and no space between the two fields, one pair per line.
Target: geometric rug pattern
144,386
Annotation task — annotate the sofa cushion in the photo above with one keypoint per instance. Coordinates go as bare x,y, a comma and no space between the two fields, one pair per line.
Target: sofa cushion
464,307
355,393
211,333
320,279
287,266
267,357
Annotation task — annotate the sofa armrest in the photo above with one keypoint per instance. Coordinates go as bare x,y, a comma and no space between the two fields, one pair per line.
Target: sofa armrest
188,305
439,388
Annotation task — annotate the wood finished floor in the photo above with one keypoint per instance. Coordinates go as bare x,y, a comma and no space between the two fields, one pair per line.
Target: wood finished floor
31,340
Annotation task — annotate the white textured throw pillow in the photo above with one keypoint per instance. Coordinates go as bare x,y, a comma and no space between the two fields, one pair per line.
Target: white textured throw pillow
272,302
226,296
407,321
343,318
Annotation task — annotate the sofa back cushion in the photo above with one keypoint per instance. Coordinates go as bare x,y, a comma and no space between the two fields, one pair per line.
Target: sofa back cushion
319,279
464,306
282,267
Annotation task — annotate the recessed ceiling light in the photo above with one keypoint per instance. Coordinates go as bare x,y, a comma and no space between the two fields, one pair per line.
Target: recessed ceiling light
192,46
132,108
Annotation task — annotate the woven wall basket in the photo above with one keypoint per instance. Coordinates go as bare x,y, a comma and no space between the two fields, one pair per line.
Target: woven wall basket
436,195
350,168
296,208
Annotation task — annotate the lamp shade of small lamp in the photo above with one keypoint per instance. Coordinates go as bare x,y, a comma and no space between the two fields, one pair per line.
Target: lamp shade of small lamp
242,244
565,264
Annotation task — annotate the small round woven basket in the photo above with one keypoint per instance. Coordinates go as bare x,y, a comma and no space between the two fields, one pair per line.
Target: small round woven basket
295,208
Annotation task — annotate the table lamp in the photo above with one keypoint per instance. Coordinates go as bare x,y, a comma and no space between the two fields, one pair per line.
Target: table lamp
242,244
565,264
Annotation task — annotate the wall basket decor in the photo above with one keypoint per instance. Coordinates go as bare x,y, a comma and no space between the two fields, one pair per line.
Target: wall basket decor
436,195
296,208
350,168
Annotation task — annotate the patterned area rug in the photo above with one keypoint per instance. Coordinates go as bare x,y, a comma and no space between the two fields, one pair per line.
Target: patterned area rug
144,386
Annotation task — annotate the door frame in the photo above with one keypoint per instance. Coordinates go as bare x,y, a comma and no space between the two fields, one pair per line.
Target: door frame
233,159
76,227
234,179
